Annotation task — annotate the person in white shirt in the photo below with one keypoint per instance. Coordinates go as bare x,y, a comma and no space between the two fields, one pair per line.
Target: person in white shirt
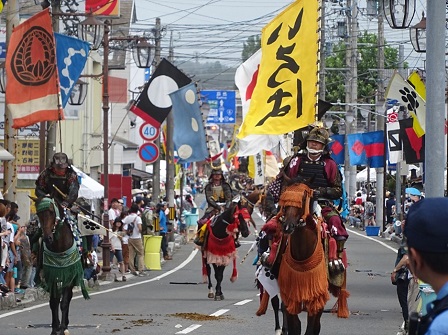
135,242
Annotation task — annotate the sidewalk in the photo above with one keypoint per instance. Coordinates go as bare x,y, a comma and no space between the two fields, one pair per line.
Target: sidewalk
38,294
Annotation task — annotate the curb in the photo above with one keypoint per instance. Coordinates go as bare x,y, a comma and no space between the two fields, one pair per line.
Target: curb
38,294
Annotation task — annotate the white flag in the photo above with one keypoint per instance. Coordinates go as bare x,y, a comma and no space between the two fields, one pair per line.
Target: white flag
246,79
89,227
399,89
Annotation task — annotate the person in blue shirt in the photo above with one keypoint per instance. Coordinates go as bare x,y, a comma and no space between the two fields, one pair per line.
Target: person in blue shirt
426,234
160,211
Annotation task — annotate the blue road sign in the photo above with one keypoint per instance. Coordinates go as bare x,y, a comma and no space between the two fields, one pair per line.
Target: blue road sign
148,152
222,106
3,50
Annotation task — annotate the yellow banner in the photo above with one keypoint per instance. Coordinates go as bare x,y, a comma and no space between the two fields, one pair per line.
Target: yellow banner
285,97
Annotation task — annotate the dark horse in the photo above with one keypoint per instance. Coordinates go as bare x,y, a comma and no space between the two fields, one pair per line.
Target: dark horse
219,248
61,262
303,276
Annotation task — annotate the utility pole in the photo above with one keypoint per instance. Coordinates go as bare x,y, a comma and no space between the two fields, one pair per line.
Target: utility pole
10,139
381,123
52,126
156,165
170,152
353,82
435,98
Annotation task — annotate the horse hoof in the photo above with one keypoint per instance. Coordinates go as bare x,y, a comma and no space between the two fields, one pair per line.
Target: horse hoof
66,332
278,332
211,295
219,297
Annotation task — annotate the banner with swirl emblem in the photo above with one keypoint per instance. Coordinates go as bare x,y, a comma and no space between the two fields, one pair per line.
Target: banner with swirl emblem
32,93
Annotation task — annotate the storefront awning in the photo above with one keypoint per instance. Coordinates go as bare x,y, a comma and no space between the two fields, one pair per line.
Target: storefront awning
140,174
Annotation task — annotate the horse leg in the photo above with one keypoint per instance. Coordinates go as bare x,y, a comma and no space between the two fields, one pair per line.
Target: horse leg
67,294
275,302
54,305
313,324
211,294
293,324
219,275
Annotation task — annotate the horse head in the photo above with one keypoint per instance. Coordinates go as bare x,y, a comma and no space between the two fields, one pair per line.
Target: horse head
296,204
48,214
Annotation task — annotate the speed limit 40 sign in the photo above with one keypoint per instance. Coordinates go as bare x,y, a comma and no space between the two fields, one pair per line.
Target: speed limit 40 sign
148,132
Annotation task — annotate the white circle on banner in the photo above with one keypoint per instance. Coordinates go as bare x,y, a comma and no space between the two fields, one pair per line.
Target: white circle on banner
194,124
159,90
190,97
184,151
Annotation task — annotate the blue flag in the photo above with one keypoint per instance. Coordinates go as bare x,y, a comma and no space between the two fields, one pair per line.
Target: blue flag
188,134
337,149
71,54
356,150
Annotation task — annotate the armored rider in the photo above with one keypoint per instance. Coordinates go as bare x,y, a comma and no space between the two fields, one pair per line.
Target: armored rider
314,163
217,192
59,181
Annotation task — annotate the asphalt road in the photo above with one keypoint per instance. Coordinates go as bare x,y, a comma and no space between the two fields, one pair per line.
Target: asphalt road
162,303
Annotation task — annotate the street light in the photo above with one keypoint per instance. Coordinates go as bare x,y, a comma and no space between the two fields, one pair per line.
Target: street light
78,94
2,78
418,35
399,13
90,30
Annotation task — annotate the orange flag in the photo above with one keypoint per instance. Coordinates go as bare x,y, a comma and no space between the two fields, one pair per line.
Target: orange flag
32,91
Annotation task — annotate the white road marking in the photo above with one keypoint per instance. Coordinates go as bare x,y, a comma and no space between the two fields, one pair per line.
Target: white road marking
220,312
189,329
372,239
163,275
243,302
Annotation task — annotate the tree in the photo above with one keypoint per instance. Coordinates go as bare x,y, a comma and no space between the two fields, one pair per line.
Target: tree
251,46
335,80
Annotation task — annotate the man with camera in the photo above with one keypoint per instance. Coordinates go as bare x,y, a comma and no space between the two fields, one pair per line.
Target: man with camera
426,234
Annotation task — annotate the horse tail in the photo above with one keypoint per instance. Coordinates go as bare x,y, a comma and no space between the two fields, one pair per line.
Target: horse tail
263,304
234,271
204,269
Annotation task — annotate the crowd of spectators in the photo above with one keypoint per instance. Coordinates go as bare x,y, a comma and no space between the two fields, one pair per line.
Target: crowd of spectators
17,268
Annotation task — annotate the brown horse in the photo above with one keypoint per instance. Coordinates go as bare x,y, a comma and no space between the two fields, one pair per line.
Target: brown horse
303,276
62,266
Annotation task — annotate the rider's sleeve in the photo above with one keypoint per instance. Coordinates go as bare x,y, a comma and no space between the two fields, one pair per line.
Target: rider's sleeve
227,194
73,188
41,185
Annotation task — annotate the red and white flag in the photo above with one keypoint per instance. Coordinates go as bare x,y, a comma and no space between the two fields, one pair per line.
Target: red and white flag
245,79
32,92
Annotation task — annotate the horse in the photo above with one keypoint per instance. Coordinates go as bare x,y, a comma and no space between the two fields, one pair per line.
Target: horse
219,247
61,262
303,275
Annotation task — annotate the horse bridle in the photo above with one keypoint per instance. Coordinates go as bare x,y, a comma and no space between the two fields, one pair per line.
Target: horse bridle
303,204
47,205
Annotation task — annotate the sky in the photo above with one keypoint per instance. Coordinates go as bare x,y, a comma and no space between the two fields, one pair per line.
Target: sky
209,30
215,30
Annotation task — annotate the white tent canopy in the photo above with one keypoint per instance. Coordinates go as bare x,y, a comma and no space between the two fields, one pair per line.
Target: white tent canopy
361,176
89,188
5,155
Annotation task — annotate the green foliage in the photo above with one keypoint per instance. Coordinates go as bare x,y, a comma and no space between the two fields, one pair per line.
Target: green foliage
252,44
336,80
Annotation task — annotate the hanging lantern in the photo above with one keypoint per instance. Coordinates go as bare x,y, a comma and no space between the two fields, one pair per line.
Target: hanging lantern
91,30
418,35
78,94
2,78
399,13
143,53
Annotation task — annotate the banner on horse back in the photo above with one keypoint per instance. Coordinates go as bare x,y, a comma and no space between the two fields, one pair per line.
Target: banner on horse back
89,227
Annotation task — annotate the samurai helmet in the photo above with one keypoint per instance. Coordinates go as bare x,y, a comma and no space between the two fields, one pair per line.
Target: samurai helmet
60,160
319,134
